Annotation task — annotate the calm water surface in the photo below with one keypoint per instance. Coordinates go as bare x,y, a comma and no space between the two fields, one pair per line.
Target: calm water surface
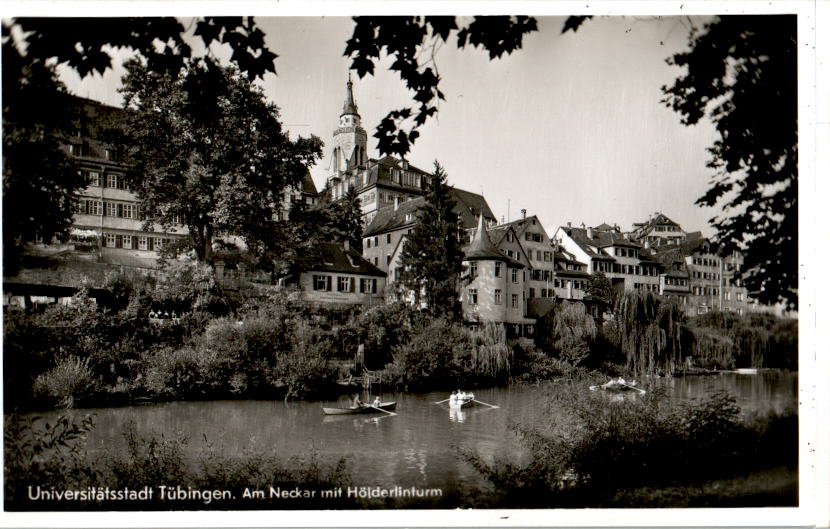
417,447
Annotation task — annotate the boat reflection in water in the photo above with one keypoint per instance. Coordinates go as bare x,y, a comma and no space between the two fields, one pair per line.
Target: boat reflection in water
457,415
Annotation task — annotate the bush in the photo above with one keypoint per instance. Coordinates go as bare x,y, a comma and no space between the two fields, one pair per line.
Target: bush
69,381
596,449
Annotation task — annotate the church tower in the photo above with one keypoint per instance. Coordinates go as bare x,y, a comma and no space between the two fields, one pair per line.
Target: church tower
349,145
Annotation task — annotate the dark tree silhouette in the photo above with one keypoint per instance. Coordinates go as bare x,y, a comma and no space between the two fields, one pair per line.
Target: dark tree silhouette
741,73
206,148
432,255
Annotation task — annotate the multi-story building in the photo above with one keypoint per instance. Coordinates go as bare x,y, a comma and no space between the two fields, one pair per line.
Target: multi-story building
658,230
379,183
705,275
384,236
533,242
621,259
570,277
107,207
108,210
493,287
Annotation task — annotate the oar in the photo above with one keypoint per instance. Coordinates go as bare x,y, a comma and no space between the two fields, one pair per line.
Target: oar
442,401
642,391
492,406
381,409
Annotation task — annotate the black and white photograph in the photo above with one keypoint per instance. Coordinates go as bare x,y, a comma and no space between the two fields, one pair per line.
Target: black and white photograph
489,266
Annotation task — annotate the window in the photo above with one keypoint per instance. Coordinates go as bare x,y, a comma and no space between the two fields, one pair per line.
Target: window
129,211
388,259
112,209
112,180
498,269
344,284
368,242
142,242
497,296
514,301
514,275
376,241
369,286
548,256
388,238
538,255
473,269
528,236
322,282
473,294
127,241
376,261
110,240
94,178
532,293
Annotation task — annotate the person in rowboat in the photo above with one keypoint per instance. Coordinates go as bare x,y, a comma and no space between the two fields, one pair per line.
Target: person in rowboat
357,403
376,402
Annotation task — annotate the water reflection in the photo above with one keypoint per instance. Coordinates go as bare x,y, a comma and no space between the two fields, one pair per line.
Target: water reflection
457,415
416,446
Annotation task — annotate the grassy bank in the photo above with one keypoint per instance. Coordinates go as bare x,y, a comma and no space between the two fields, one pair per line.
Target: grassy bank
648,452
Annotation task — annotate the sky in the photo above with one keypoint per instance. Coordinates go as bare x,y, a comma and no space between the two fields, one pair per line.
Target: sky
570,128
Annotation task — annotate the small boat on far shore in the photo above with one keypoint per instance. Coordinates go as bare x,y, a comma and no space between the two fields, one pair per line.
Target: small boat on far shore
618,385
364,408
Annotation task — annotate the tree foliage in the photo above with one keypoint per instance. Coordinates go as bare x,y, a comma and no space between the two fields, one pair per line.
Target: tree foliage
39,180
432,255
84,44
412,43
741,73
205,148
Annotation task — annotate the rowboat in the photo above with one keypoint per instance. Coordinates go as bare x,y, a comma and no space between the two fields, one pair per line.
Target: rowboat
365,408
465,402
617,386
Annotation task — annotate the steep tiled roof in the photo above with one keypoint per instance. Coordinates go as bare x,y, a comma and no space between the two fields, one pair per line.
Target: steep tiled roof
335,258
308,186
599,239
388,218
658,218
482,248
521,225
605,227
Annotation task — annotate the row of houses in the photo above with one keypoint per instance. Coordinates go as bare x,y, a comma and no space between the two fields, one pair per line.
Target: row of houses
513,271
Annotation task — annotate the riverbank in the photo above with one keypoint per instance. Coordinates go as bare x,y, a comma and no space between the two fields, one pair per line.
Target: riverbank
272,347
628,458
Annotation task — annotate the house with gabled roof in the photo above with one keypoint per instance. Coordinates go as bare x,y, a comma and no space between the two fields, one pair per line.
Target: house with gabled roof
624,261
658,230
341,276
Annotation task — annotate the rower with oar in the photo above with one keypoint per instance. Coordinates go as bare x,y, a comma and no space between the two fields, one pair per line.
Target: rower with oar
460,396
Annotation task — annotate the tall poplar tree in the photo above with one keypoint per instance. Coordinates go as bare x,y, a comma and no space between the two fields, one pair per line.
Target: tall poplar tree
432,255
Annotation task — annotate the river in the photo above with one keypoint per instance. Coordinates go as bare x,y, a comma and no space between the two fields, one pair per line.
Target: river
417,447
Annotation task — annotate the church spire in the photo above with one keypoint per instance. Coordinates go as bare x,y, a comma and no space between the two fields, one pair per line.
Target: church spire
349,106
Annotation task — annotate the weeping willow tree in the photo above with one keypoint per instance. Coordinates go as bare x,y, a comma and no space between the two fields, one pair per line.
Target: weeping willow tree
490,355
649,333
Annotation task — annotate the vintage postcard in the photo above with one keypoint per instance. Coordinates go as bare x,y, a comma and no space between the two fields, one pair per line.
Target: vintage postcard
345,264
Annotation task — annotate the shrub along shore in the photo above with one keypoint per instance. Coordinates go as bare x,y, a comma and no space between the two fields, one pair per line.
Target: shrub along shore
270,346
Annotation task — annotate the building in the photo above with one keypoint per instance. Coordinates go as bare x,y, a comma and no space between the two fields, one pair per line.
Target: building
570,276
624,261
493,287
342,276
107,218
107,209
533,244
379,183
658,230
384,235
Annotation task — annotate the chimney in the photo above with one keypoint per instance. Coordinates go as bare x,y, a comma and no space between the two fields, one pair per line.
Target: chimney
397,201
524,213
590,233
569,224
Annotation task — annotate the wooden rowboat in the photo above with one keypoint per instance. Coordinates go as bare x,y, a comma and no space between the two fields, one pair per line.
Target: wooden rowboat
384,406
467,402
